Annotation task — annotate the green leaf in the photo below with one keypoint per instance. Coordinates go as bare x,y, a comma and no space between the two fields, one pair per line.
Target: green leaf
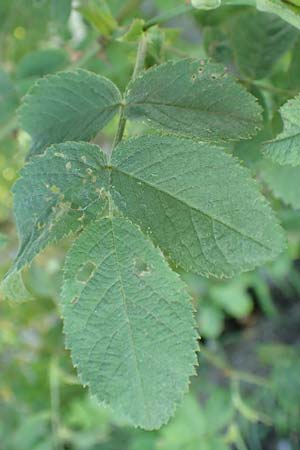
259,40
99,15
134,32
193,98
128,321
8,98
285,148
191,428
61,10
233,298
284,9
12,288
42,62
211,320
69,106
198,204
57,194
283,182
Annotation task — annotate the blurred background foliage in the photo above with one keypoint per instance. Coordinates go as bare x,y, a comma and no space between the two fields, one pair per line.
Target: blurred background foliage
247,392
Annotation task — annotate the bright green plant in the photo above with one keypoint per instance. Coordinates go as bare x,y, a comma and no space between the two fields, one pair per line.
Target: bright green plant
171,199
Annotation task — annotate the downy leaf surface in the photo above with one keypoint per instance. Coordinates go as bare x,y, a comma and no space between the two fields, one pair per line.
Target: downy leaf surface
57,194
128,321
285,148
193,98
197,203
284,182
68,106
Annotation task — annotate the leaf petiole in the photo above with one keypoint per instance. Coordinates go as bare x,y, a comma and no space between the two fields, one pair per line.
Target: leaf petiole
139,65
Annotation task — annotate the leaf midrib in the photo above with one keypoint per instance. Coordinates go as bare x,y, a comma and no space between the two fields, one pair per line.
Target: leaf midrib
285,138
147,183
188,108
123,296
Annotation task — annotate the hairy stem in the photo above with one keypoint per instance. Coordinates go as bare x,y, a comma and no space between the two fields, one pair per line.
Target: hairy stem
140,57
121,127
139,65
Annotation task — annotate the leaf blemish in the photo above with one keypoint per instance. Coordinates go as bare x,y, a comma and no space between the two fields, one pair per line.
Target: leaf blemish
54,189
68,165
101,192
142,269
86,272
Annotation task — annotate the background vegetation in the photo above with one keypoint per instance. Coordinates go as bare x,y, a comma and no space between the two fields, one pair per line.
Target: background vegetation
247,392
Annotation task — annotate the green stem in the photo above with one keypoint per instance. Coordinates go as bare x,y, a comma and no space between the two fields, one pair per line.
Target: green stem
269,88
121,127
231,372
139,65
140,57
55,403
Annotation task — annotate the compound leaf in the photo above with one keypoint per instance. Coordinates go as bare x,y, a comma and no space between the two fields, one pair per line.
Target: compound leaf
128,321
68,106
57,194
194,98
200,206
285,148
259,40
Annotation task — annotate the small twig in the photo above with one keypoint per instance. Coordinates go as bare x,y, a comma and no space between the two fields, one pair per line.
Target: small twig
230,372
269,88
